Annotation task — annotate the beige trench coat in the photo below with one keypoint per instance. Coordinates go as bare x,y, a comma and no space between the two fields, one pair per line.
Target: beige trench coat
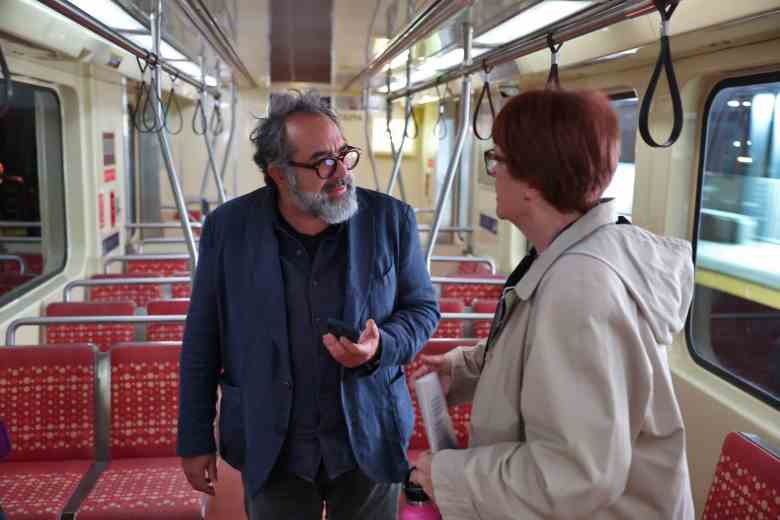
574,414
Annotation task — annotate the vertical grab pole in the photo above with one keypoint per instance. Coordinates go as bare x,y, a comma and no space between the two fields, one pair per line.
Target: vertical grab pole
229,144
155,20
465,110
204,97
367,133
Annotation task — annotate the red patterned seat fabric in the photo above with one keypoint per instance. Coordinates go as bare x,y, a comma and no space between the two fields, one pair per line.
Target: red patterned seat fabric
138,294
746,482
103,335
450,328
166,331
144,478
467,292
48,405
481,328
158,267
461,414
39,490
10,281
148,488
181,290
473,268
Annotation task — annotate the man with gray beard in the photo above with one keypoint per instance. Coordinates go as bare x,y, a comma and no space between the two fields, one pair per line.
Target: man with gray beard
311,420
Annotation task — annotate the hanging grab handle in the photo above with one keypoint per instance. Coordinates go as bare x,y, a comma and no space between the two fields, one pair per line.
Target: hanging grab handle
553,81
173,100
199,116
485,89
665,8
440,128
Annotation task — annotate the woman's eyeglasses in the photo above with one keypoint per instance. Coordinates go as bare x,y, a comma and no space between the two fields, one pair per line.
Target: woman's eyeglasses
492,159
326,167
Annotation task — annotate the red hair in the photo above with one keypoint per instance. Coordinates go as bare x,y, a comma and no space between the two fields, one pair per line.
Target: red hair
563,143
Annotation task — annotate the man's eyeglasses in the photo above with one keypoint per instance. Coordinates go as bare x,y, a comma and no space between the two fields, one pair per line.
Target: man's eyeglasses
492,159
326,167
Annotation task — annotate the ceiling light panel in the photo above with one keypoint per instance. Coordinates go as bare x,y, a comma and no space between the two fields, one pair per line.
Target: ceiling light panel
531,20
110,14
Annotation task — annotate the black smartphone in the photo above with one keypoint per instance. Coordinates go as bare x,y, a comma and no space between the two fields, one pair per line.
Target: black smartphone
340,329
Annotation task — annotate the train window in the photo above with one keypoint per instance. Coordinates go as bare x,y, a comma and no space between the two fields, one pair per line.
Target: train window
622,185
734,328
32,194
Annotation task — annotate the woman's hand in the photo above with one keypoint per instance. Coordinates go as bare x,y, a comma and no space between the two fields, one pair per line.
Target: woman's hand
421,474
440,365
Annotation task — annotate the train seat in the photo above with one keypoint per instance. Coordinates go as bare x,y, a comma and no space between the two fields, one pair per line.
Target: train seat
472,268
138,294
481,328
48,405
158,267
103,335
143,479
166,331
468,292
746,482
181,290
450,328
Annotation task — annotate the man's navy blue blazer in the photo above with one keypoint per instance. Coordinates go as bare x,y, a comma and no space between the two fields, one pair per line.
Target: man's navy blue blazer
236,336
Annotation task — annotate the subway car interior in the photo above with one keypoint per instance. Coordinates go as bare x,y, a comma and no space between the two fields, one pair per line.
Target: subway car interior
124,123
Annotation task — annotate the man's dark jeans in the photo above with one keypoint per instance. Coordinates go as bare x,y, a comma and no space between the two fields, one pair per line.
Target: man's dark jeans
350,496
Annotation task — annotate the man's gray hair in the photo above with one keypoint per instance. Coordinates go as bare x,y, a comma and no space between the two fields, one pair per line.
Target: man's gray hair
270,134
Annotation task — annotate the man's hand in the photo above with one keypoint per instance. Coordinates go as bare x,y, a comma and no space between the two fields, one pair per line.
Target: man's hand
350,354
422,473
201,472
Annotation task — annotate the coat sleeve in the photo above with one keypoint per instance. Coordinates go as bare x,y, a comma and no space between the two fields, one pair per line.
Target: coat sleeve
586,382
200,355
416,312
466,366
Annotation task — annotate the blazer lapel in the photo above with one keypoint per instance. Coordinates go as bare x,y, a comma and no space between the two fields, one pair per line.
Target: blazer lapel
360,262
266,291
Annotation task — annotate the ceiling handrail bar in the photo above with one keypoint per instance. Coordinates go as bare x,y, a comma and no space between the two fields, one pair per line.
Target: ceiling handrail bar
115,37
587,21
130,280
156,22
460,140
10,333
15,258
428,18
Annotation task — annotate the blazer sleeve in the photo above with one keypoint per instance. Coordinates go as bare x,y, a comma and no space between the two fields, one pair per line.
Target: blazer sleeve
416,312
586,382
200,355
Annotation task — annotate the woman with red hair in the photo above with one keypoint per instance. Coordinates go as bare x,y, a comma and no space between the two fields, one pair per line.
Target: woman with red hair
573,410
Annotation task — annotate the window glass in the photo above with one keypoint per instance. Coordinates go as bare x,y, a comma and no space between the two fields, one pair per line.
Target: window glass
32,200
622,186
735,326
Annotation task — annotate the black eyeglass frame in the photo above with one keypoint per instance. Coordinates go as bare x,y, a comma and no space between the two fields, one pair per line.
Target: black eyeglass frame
339,157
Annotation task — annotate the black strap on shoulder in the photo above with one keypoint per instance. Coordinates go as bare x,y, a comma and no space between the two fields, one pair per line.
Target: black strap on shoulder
665,8
485,90
623,220
553,81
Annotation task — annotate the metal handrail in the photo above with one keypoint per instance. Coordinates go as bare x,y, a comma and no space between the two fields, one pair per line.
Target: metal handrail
98,282
467,315
453,229
428,18
593,19
160,225
467,260
14,224
97,27
455,340
10,333
463,129
209,148
20,240
166,240
467,281
14,258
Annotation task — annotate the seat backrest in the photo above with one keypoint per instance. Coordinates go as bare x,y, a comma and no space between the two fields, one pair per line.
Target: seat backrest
450,328
138,294
181,290
144,400
746,482
166,331
157,267
10,281
467,292
102,335
481,328
48,401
